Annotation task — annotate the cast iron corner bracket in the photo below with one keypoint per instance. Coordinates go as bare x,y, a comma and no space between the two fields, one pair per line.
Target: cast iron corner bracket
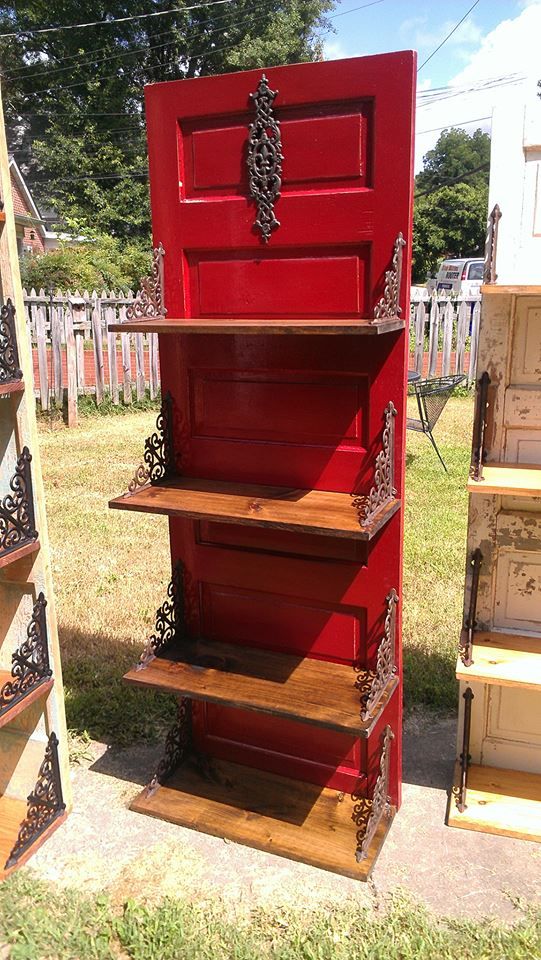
383,490
465,645
479,428
367,814
461,790
170,622
10,370
148,304
159,456
45,803
17,519
265,159
388,305
491,245
372,684
30,662
177,746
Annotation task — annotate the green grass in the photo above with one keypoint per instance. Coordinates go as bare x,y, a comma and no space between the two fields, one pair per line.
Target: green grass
40,923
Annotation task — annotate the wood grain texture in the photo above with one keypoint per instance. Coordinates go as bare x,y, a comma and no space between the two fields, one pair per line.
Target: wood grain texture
518,480
15,386
311,511
321,325
286,817
504,802
12,814
505,659
309,690
11,712
8,558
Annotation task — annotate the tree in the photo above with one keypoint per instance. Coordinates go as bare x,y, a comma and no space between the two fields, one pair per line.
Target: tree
451,201
74,98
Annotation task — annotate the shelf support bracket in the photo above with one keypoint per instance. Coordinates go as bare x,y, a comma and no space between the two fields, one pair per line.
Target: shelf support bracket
30,662
10,370
45,803
460,791
177,745
479,428
373,684
17,520
367,814
159,456
148,304
465,645
170,623
388,305
383,489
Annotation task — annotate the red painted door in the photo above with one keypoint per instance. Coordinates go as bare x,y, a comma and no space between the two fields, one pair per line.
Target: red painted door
301,411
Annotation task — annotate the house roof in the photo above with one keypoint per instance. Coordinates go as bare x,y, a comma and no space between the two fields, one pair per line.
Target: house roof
25,192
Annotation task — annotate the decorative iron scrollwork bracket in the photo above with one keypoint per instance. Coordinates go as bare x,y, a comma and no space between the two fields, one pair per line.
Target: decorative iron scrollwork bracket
491,245
17,520
383,490
159,456
367,814
30,662
10,370
373,684
177,745
45,803
265,159
148,304
388,305
465,645
460,791
479,428
170,622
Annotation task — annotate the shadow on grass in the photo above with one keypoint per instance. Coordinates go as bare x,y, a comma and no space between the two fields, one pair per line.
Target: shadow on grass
429,680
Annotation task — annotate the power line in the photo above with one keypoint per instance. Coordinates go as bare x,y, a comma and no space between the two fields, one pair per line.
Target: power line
445,39
457,123
449,182
104,176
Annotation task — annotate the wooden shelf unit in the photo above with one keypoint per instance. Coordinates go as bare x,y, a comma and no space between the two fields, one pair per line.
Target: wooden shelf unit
11,711
504,659
325,326
504,802
508,479
11,386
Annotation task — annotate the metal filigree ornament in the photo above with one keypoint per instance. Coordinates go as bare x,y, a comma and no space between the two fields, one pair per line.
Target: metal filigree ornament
265,159
148,304
159,455
170,623
372,684
465,644
30,662
368,813
388,305
17,521
460,791
383,490
10,370
45,803
177,745
478,456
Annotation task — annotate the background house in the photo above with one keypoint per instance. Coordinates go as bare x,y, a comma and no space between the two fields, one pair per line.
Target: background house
32,226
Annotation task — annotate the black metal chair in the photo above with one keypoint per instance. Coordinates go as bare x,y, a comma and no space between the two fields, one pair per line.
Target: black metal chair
432,396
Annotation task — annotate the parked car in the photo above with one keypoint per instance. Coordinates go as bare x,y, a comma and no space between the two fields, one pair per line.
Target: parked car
463,276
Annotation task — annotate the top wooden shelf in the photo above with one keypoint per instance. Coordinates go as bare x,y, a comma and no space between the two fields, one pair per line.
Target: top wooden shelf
511,479
321,325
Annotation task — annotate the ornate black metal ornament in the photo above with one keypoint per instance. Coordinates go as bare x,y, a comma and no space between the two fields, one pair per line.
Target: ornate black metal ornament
367,814
491,245
177,745
465,645
17,521
372,684
45,803
30,662
460,791
148,304
383,489
10,370
388,305
265,159
159,455
479,428
170,622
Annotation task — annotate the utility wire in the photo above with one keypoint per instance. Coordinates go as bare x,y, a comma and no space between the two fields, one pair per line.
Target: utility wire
449,35
449,182
456,123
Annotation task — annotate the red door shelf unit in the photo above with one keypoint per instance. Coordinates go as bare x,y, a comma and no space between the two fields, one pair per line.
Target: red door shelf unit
281,209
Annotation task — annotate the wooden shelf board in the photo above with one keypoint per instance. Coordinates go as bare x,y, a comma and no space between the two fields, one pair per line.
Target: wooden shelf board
9,713
518,480
504,659
12,814
311,511
294,325
11,386
289,818
13,555
504,802
308,690
524,290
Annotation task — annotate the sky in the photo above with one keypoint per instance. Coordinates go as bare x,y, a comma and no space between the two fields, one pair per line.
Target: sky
499,39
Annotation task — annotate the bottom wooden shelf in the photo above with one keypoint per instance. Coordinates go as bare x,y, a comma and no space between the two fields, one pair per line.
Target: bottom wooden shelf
289,818
504,802
12,814
11,556
10,712
504,659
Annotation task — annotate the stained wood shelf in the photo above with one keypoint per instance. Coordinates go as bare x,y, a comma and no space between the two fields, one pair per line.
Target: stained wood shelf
303,689
504,802
11,386
517,480
318,325
9,713
503,659
12,814
11,556
282,508
258,809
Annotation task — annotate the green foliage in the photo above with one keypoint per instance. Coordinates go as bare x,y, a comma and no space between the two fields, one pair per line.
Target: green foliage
456,154
103,262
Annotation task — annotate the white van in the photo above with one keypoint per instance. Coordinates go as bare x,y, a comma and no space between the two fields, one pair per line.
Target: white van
459,276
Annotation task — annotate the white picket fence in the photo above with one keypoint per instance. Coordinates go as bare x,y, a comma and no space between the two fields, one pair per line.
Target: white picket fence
444,334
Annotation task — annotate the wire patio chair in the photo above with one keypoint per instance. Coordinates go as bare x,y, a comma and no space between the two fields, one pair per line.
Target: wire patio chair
432,396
